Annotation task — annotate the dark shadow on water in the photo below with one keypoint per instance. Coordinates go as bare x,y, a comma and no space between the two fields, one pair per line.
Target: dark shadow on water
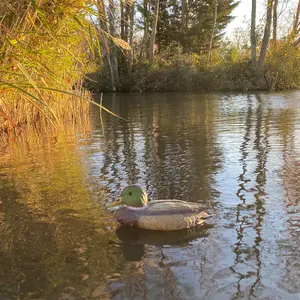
133,240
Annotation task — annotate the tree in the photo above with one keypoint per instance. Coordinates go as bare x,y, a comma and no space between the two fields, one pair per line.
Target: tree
153,32
125,12
296,26
122,20
213,27
296,21
113,48
105,41
275,22
142,23
266,37
131,37
253,34
169,24
184,18
199,17
127,17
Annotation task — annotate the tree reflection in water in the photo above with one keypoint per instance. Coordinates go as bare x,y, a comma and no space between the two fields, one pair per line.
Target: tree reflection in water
237,154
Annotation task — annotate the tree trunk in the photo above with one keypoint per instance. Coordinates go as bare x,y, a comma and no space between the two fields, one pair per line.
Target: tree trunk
131,19
122,19
183,26
275,23
153,33
297,42
104,40
127,17
213,28
266,38
296,22
131,38
112,31
145,15
145,29
253,33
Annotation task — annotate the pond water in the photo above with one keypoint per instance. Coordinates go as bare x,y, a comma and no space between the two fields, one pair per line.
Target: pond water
237,154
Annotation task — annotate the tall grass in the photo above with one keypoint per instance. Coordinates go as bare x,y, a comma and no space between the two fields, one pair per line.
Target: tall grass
46,47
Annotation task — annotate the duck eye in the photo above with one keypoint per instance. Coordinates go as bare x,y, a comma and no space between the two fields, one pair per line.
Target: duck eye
129,193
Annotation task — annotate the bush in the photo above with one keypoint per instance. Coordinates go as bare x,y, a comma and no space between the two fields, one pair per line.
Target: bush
228,69
283,67
193,73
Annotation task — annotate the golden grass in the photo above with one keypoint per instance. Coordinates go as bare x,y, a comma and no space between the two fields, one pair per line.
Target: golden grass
22,118
46,49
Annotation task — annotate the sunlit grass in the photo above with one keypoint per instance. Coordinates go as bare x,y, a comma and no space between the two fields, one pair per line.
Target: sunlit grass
46,49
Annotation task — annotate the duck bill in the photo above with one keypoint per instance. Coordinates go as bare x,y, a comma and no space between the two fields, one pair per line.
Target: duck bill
115,203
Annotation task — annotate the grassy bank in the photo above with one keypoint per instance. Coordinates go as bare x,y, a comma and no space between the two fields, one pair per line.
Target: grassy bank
229,69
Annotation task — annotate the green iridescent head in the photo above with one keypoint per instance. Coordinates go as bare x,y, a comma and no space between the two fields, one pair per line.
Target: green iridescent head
132,195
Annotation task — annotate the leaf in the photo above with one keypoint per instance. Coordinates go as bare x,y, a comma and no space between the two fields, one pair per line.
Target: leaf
13,42
84,276
121,43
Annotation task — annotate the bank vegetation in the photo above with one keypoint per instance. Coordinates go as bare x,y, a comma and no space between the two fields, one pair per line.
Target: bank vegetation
46,48
182,46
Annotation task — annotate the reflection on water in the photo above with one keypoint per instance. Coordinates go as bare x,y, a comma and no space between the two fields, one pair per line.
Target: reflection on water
133,240
135,236
236,154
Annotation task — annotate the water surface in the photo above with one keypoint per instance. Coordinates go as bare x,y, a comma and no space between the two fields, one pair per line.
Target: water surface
236,154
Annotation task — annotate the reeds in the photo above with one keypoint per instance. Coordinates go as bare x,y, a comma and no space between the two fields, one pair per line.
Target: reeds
46,47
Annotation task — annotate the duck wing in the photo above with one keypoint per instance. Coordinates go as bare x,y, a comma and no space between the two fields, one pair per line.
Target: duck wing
163,215
170,207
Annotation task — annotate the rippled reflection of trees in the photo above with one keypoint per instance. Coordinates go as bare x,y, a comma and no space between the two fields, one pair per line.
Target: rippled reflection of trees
54,233
250,212
170,147
289,244
163,146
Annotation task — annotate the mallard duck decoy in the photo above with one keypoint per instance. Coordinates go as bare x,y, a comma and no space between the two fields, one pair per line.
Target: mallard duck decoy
163,215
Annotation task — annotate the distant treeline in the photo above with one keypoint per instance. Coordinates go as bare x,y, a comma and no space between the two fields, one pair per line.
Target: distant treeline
179,45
